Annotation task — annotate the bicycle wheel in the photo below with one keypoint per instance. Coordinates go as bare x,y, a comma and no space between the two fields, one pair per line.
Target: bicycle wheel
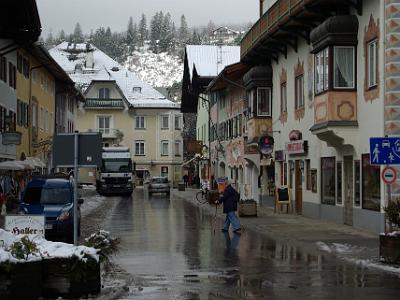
201,197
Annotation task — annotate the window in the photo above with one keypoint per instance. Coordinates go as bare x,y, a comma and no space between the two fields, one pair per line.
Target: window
34,115
322,71
51,127
139,148
12,75
328,180
12,121
19,62
357,185
343,67
104,93
104,124
264,102
177,148
371,185
3,68
164,148
3,115
26,67
22,113
283,98
372,64
47,121
299,92
177,122
339,182
308,176
140,122
164,122
41,118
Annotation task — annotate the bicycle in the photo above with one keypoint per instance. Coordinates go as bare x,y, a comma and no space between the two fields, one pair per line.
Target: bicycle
202,196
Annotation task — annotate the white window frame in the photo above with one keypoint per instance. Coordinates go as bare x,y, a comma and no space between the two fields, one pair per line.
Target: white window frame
283,97
104,130
354,68
372,73
321,71
163,143
299,91
269,114
34,115
140,122
162,121
51,122
178,122
102,93
177,148
139,143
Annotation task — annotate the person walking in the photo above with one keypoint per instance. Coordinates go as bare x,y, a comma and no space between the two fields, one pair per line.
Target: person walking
186,180
230,199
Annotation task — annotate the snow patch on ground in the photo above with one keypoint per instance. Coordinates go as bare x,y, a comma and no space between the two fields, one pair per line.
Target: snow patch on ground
91,203
157,70
46,249
349,253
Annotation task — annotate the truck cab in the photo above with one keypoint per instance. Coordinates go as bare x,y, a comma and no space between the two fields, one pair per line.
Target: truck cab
116,172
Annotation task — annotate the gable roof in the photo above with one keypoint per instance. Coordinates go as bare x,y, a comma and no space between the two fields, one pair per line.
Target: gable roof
85,63
209,60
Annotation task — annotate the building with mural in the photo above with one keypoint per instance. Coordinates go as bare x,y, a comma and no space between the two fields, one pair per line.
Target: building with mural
327,64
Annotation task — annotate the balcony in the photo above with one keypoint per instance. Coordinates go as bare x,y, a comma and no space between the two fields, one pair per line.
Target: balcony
335,118
285,22
96,103
108,133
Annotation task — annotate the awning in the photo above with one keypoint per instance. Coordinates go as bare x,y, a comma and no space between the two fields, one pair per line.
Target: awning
11,165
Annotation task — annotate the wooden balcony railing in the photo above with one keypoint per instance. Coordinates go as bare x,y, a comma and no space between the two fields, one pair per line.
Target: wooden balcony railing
103,103
268,22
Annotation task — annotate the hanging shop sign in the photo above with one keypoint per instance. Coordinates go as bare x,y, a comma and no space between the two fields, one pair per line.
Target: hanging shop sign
295,135
279,155
297,147
11,138
266,145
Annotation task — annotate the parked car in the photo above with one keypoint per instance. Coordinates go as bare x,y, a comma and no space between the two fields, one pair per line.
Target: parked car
159,184
53,198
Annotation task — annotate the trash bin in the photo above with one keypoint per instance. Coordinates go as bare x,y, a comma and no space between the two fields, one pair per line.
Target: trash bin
181,186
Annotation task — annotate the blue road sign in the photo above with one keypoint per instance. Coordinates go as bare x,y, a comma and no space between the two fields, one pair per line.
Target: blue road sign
384,151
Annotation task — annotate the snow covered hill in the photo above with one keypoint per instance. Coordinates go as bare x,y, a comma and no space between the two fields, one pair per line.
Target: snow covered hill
157,70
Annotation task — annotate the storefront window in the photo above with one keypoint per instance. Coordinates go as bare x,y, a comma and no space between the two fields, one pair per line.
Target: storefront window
328,181
371,188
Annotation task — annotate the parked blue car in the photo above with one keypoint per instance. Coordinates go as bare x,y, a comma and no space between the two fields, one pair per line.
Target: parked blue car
53,198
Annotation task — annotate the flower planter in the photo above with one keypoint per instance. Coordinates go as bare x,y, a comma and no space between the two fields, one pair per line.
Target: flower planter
389,248
21,280
70,277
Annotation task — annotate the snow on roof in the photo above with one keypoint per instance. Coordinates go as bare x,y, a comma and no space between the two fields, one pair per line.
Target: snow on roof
85,63
210,60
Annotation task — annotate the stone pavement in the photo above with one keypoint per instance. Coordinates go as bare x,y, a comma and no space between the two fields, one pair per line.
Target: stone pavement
297,230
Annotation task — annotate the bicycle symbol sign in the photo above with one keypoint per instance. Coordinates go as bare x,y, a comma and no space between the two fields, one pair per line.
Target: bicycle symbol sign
384,151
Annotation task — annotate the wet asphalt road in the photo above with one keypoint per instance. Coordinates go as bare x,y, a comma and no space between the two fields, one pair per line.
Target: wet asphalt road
173,252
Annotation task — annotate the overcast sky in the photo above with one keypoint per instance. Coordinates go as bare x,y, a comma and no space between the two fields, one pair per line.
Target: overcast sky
91,14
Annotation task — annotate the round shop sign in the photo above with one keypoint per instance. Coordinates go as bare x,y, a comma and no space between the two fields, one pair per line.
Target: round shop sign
389,175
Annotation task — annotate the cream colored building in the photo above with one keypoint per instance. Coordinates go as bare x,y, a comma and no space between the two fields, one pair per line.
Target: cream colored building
125,110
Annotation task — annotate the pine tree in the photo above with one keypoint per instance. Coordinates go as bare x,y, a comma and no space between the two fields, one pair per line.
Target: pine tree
195,38
78,34
49,40
61,36
165,34
130,32
156,31
142,30
183,31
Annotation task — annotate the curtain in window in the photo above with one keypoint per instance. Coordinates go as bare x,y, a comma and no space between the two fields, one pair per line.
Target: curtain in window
344,67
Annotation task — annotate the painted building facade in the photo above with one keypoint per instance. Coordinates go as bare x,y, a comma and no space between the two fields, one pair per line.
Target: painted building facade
328,99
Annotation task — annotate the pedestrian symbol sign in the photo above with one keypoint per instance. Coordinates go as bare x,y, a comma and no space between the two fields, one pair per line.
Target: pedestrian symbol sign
385,151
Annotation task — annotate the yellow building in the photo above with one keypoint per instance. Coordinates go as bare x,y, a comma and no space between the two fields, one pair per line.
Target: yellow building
39,80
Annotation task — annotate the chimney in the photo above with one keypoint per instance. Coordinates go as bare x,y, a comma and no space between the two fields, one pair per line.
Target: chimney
89,60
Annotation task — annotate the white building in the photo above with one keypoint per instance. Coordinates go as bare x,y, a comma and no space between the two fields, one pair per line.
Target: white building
125,110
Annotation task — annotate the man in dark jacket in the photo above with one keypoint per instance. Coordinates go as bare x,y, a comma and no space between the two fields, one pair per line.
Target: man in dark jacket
230,199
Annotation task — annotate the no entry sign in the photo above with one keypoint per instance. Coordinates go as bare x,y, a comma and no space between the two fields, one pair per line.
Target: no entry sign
389,175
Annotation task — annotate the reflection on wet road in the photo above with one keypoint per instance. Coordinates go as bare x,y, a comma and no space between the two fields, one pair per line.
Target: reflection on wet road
173,252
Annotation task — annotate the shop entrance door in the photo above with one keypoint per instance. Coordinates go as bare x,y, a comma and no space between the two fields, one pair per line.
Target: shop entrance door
298,185
348,190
